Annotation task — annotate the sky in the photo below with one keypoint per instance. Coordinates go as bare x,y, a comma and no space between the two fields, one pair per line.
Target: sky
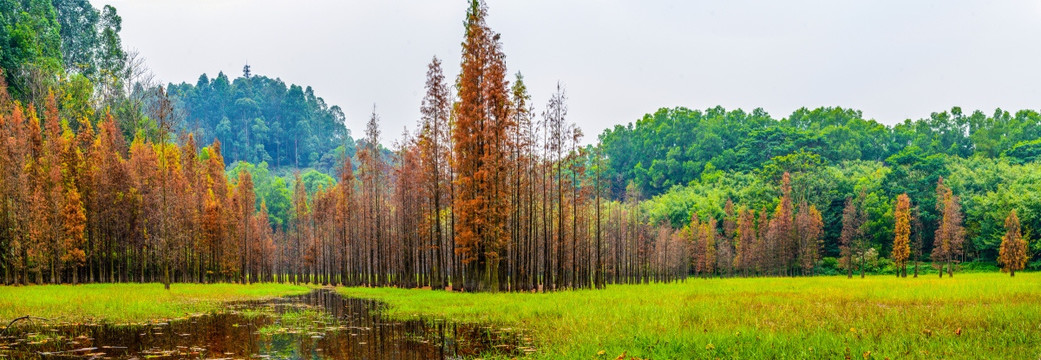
617,60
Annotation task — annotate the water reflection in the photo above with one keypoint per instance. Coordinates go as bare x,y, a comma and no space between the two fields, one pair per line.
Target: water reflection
319,325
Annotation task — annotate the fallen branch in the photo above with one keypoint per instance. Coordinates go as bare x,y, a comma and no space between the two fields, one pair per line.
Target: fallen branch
26,317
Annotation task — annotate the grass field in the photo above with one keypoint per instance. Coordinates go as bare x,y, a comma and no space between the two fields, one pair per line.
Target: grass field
983,315
123,303
970,316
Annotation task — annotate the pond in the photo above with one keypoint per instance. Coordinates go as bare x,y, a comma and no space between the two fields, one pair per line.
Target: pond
318,325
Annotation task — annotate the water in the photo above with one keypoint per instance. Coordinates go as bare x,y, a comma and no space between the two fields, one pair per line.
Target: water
319,325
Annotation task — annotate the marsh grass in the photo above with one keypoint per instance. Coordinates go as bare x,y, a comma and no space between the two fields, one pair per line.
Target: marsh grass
128,303
969,316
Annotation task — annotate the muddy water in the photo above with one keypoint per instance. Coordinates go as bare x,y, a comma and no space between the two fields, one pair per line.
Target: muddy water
319,325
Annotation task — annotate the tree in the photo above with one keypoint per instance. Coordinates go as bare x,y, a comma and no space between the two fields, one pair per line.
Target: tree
31,43
853,219
163,113
246,200
75,223
1013,255
407,251
918,243
79,34
950,234
216,226
372,173
763,252
902,231
708,235
52,172
480,135
556,130
523,162
433,143
301,213
781,234
746,242
725,249
809,225
345,205
703,244
599,275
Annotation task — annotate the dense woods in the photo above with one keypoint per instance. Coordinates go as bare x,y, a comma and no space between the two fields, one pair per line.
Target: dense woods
106,176
676,146
260,119
989,161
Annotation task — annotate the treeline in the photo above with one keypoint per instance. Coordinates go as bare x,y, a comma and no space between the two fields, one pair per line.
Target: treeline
987,190
88,207
787,241
260,119
693,161
676,146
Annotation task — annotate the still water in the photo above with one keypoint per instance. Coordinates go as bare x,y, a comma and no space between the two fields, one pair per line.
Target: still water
319,325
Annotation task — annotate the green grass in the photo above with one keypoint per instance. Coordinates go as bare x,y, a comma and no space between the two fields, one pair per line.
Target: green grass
126,303
762,318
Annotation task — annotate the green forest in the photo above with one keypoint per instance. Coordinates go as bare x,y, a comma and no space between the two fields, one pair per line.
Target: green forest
259,119
686,161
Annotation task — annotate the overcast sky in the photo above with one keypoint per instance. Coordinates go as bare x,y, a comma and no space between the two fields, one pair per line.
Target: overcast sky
617,59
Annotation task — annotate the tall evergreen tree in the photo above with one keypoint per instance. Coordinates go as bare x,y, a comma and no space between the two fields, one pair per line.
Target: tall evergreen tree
1013,255
902,231
480,138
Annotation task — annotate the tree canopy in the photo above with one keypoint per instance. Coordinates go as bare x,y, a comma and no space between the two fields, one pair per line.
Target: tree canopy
260,119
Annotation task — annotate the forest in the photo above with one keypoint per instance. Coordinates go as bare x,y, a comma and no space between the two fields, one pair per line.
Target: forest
107,175
260,120
833,154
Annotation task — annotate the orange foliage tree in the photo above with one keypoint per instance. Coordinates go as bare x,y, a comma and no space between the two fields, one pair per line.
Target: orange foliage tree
1013,252
902,234
950,235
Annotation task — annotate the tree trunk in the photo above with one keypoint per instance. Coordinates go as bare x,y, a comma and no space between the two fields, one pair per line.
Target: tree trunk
862,263
849,266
